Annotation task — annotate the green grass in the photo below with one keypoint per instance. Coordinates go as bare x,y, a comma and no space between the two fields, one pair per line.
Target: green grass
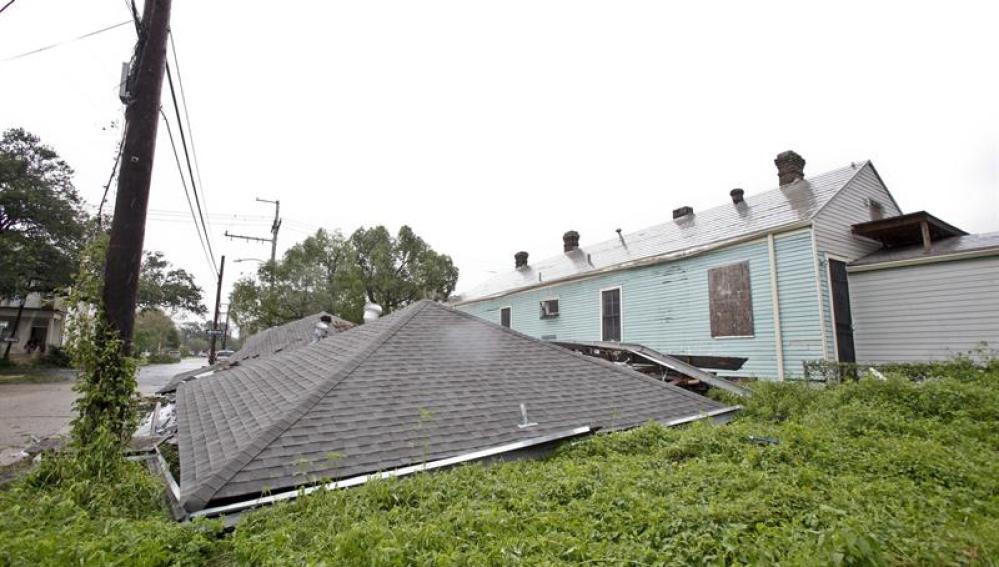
873,473
16,374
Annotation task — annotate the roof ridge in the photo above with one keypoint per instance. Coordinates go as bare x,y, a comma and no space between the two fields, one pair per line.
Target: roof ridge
593,360
210,486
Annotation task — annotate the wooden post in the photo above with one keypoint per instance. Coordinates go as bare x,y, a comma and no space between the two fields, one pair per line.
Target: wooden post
128,230
215,323
13,331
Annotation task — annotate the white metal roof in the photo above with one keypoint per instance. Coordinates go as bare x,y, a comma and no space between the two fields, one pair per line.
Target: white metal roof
781,207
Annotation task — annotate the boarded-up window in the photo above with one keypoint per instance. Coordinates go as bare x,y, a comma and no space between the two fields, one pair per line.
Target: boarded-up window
731,304
505,316
610,314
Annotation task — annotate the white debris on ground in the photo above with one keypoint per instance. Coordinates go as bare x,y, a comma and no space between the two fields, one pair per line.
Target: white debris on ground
161,421
12,455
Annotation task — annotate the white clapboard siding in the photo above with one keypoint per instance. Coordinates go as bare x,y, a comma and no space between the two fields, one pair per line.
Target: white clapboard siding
925,312
849,207
834,236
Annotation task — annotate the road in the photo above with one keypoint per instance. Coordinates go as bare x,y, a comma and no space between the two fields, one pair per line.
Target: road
41,410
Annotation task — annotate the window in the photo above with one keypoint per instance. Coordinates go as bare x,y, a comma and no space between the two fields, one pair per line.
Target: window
877,211
505,317
610,314
549,309
730,302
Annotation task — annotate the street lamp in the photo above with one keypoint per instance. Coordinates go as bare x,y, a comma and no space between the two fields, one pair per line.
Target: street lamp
238,260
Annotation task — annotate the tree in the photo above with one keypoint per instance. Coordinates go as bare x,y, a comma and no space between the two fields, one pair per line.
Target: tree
327,272
155,332
395,272
193,337
42,221
312,276
167,288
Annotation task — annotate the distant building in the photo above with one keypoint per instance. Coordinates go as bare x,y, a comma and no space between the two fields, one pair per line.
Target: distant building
41,327
765,276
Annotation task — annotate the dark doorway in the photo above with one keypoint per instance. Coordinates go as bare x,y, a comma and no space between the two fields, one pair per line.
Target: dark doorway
841,311
37,339
610,315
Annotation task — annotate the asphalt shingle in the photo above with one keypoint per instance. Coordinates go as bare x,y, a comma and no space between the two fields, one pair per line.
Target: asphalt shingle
424,383
273,340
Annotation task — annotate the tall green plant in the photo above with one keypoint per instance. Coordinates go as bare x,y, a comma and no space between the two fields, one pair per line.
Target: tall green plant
105,382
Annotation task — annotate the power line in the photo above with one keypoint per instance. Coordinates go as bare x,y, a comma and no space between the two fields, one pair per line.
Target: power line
187,158
183,182
5,6
187,120
61,43
114,170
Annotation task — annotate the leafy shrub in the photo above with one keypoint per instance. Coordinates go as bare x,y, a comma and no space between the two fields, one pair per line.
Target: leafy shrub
57,517
58,357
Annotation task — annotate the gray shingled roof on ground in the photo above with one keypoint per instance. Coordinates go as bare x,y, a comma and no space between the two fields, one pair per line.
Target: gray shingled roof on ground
290,335
171,386
953,246
272,340
785,206
425,383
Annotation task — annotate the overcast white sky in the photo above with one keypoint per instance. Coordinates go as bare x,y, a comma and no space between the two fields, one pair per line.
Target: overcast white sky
495,127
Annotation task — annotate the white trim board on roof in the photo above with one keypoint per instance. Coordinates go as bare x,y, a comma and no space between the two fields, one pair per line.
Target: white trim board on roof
400,472
648,261
238,507
971,254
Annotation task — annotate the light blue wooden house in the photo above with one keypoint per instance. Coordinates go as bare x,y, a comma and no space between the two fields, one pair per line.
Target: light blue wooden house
763,276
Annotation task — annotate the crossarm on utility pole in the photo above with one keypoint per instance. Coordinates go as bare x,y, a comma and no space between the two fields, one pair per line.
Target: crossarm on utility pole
249,238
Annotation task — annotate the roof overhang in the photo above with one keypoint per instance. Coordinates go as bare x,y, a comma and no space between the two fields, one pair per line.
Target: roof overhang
907,229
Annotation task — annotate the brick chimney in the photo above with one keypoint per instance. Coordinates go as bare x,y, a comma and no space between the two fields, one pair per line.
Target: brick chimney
682,212
790,167
520,260
570,241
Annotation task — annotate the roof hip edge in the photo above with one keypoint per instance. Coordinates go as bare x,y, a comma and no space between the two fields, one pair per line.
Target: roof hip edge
207,489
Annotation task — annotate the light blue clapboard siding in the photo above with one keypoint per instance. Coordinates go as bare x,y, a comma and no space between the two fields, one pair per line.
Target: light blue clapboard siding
665,306
799,308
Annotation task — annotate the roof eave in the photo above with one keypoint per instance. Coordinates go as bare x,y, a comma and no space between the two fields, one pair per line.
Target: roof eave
647,261
965,255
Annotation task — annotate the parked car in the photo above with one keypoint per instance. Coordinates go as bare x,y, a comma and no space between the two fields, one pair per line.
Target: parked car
223,355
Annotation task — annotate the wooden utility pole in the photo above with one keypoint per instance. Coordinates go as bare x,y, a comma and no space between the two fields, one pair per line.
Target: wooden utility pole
225,329
215,322
128,230
13,332
275,226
